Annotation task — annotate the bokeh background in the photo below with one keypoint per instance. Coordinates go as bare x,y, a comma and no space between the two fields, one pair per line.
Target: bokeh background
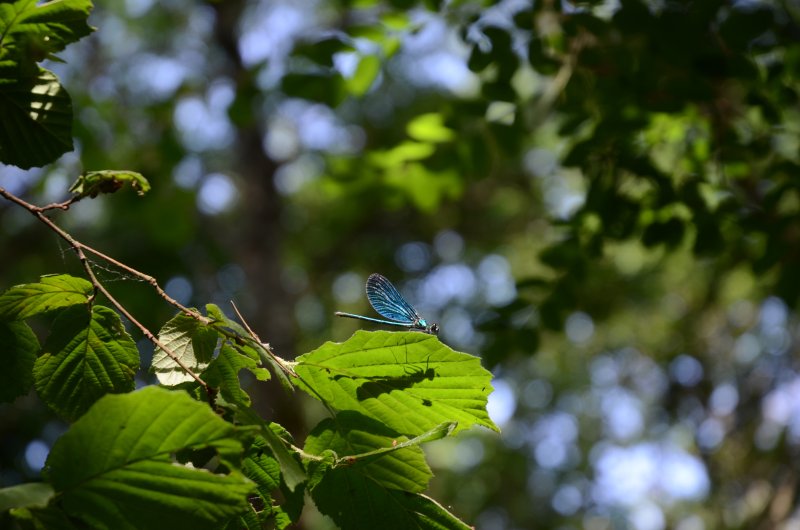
600,199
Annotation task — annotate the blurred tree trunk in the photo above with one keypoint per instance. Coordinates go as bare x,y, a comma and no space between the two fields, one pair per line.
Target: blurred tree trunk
258,244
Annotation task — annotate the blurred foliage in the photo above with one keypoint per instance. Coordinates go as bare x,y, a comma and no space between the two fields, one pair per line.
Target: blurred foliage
598,198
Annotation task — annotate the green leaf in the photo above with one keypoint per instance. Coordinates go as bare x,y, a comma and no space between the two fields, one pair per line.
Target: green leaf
191,341
17,355
429,128
223,373
426,189
409,381
293,474
248,345
402,153
428,512
375,450
396,20
93,183
260,467
36,127
354,501
323,88
367,70
52,292
53,24
86,356
25,495
292,471
49,518
115,468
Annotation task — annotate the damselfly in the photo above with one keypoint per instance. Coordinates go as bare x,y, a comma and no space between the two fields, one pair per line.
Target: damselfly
388,302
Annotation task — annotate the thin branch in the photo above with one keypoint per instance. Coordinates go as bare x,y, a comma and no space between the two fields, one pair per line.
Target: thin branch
98,286
35,210
265,345
247,326
153,282
59,205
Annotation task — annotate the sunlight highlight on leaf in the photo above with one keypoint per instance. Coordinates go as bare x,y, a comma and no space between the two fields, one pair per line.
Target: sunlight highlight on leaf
409,381
115,468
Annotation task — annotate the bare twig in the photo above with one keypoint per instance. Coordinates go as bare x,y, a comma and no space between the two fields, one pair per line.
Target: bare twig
152,281
59,205
36,210
247,326
267,348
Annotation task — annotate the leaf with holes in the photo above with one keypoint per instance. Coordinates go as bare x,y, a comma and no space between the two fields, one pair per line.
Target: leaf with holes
191,341
409,381
50,293
223,373
86,356
115,467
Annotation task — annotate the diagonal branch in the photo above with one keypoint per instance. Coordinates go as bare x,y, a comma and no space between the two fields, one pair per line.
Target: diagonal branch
79,248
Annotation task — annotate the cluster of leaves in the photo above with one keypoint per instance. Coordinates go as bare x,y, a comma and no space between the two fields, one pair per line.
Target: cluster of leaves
191,452
672,134
159,459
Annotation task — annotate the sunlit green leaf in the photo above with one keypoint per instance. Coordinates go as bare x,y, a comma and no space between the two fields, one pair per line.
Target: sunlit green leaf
426,189
50,293
409,381
369,66
429,128
53,24
247,346
260,467
223,373
402,153
396,20
86,356
115,468
191,341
